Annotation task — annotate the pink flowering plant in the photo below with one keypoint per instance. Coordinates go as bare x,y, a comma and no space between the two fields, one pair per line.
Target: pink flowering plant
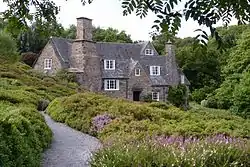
99,122
164,151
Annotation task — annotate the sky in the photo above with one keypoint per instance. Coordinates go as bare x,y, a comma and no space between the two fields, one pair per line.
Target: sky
108,13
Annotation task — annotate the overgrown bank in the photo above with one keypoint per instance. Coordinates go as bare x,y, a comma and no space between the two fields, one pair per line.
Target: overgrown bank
23,131
118,121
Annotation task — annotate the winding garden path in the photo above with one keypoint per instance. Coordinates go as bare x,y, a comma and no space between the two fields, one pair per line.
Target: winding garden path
69,148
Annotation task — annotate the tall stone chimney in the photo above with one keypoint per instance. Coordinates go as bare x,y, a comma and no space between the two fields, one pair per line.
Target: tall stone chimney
171,64
84,60
84,29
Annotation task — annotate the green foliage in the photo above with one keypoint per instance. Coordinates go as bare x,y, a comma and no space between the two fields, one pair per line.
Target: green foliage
233,92
101,35
151,155
168,19
139,120
65,75
161,105
8,50
23,131
23,136
147,98
200,94
18,13
241,100
177,95
110,35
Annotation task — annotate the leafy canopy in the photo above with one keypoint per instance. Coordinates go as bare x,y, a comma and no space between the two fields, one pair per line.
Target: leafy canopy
205,12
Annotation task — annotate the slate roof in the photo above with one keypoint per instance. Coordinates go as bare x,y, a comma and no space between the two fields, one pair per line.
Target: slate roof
127,55
62,48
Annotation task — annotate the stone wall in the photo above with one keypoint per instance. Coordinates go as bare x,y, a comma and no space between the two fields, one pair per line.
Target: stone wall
162,92
48,53
84,28
84,56
121,93
141,82
171,65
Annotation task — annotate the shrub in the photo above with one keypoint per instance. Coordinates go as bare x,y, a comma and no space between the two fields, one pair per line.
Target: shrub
222,97
211,102
175,152
42,104
161,105
241,94
176,95
8,50
29,58
23,136
141,119
65,75
200,94
147,98
23,131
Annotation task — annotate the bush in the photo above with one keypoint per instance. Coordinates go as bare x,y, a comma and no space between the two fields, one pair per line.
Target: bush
176,152
177,94
23,131
29,58
200,94
137,120
65,75
211,102
147,98
8,49
23,136
42,104
161,105
241,94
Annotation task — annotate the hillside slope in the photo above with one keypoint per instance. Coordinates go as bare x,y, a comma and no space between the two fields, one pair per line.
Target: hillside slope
23,131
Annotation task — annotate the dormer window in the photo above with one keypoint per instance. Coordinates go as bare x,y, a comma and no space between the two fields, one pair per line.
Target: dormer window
137,72
109,64
149,52
155,70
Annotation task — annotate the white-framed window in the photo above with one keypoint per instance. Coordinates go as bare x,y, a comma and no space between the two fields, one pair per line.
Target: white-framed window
111,84
155,96
47,64
137,72
182,79
155,70
149,52
109,64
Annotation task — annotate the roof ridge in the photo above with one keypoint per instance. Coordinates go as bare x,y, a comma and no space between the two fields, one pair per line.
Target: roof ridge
119,43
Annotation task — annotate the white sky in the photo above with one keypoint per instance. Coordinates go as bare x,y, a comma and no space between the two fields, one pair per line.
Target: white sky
108,13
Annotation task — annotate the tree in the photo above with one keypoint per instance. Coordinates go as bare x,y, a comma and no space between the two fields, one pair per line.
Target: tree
37,35
70,33
110,35
234,91
205,12
101,35
7,47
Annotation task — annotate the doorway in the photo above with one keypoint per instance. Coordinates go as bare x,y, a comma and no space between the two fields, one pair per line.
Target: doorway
136,95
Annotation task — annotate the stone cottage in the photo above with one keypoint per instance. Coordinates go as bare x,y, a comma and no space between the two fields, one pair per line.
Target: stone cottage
127,70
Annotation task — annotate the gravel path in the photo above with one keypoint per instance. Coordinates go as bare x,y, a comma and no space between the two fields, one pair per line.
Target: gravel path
69,148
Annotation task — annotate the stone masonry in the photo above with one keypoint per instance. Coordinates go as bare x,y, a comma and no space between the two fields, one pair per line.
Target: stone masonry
86,59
